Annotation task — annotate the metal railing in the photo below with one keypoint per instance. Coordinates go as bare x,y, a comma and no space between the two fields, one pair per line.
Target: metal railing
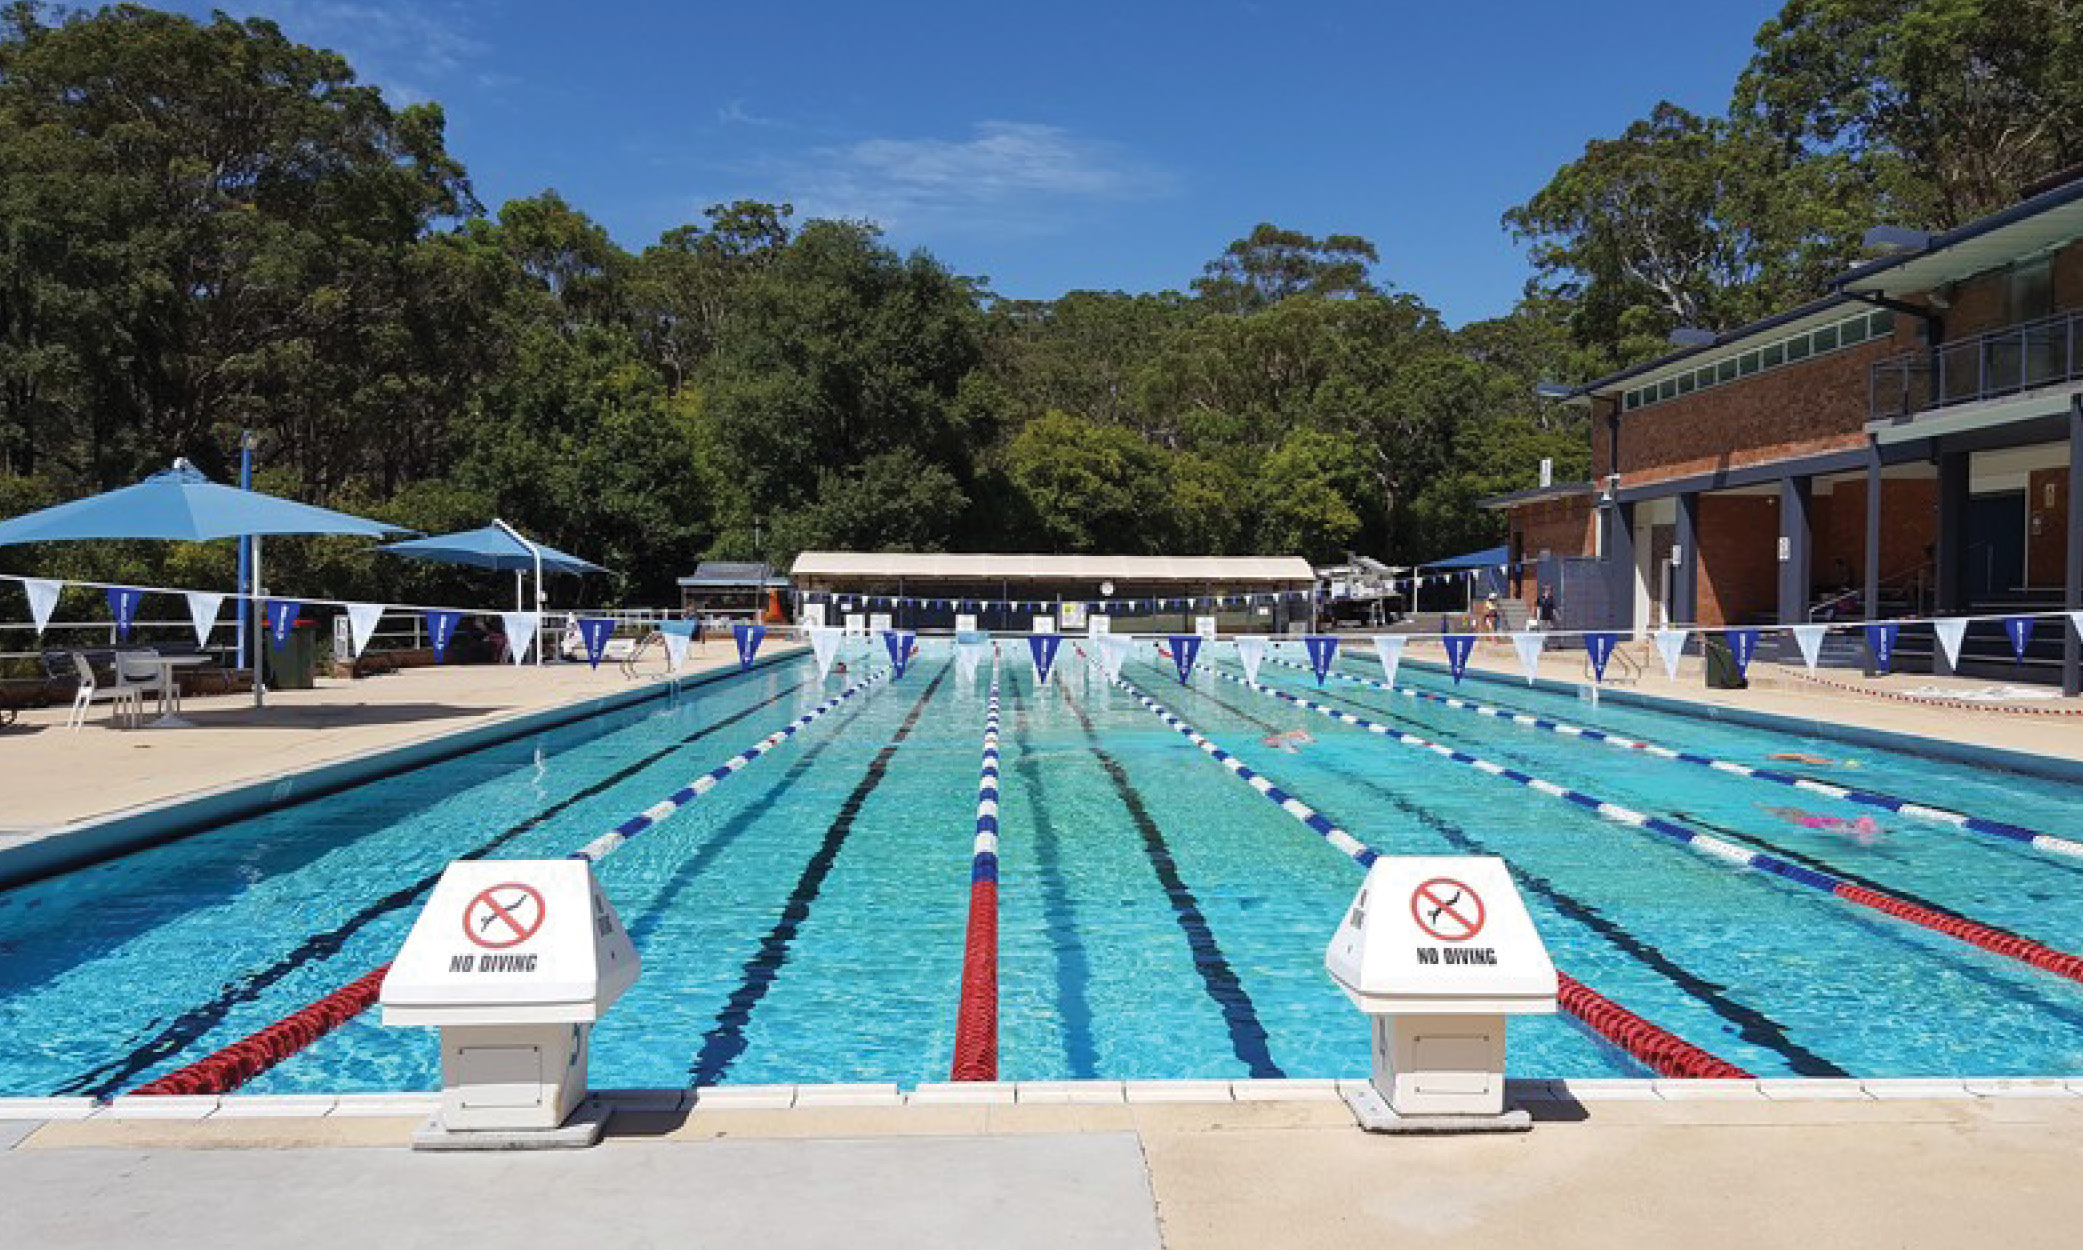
2002,362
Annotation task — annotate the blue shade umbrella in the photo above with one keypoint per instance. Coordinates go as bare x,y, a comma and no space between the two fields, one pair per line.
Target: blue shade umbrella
182,505
497,546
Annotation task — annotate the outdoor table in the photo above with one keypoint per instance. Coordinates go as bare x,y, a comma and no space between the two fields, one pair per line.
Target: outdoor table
170,691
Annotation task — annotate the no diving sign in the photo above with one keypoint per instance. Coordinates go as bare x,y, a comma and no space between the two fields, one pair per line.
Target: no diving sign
1447,910
504,915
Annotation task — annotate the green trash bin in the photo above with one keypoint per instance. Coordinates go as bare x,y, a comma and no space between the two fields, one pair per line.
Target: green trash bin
294,664
1722,673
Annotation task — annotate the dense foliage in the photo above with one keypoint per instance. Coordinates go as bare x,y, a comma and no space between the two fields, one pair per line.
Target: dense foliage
206,228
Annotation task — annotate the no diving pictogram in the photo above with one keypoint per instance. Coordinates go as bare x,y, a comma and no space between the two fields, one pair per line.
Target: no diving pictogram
504,915
1447,909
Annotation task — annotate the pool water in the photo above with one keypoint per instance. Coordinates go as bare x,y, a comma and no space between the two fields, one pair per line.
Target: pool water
804,921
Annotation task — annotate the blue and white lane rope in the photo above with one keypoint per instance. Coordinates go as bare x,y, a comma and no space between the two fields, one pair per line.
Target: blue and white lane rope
1973,932
976,1013
599,847
1321,824
1851,794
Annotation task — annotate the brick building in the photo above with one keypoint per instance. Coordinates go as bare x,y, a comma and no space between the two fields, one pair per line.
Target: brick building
1910,444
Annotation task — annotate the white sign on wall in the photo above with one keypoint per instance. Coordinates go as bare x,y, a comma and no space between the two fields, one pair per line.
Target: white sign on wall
1073,617
856,623
814,615
1204,626
965,622
1044,624
880,622
1098,625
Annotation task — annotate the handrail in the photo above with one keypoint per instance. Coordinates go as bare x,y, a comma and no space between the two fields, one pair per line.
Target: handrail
1916,573
1630,672
2046,351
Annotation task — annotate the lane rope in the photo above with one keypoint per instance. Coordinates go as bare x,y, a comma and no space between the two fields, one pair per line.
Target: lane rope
976,1016
1974,933
1661,1050
233,1066
1851,794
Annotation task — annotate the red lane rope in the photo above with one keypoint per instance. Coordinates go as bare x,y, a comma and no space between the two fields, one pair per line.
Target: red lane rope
247,1058
1989,938
976,1015
1662,1051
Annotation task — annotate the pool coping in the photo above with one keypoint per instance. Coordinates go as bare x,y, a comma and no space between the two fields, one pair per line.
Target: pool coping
78,844
418,1103
2046,767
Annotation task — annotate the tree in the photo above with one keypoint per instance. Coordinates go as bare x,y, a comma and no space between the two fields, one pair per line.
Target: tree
1271,264
684,283
1089,487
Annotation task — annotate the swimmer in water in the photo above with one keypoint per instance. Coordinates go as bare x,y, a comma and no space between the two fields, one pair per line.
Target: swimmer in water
1288,740
1812,761
839,668
1864,830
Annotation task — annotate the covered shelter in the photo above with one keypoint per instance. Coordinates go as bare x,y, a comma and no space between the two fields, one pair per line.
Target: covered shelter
743,590
928,590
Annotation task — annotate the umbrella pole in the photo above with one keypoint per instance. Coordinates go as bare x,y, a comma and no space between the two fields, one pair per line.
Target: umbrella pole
539,601
258,608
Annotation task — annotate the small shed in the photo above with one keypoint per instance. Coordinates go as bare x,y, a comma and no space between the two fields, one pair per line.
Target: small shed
731,589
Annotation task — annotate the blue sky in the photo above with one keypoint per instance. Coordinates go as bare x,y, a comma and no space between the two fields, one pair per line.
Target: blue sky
1052,146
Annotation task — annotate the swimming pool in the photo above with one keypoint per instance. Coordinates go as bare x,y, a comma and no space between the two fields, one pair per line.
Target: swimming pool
805,922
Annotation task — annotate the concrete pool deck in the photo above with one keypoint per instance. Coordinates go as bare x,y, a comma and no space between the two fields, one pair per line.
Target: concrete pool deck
1619,1164
56,777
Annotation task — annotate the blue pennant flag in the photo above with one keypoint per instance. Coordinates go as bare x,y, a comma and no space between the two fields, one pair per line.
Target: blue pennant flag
900,647
1600,648
1321,649
1743,644
441,626
122,604
595,632
282,617
1186,648
748,636
1043,648
2020,630
1880,638
1458,646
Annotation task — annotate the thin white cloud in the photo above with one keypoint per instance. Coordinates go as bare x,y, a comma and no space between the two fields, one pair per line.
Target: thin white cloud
414,52
1005,177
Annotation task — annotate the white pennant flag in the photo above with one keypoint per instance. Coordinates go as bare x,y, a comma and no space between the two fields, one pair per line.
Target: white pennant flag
1113,652
1670,644
43,600
520,630
1528,643
1950,631
203,607
1810,639
824,645
676,645
1389,649
969,656
361,624
1251,652
2076,621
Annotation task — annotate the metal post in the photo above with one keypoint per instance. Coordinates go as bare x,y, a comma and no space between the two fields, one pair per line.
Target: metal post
257,608
245,544
1795,544
1951,549
1685,570
535,551
2072,588
1869,606
1620,566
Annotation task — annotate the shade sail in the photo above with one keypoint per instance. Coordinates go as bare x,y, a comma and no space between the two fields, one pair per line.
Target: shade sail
489,548
1473,560
181,504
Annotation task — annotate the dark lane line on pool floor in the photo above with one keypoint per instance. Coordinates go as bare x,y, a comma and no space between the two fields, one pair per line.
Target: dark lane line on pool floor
1752,1025
191,1025
1248,1038
1059,912
722,1045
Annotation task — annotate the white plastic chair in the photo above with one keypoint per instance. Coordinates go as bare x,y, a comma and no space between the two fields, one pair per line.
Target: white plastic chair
140,671
91,692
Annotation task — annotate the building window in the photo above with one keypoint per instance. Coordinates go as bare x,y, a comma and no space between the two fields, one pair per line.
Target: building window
1847,333
2032,290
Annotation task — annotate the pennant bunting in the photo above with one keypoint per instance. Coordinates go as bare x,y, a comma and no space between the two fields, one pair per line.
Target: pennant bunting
1389,650
43,600
1113,653
1810,639
2076,622
1251,652
521,628
1528,644
1599,646
1880,641
594,632
1458,648
1670,644
361,625
678,634
748,636
441,626
824,647
1743,644
969,656
1042,648
1951,632
281,616
122,604
899,645
1321,651
1186,648
203,609
2020,630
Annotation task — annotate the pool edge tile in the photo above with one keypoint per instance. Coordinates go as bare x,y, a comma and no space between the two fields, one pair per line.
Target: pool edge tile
1807,1088
48,1108
849,1095
1042,1093
744,1097
1177,1091
274,1106
1285,1089
162,1107
961,1093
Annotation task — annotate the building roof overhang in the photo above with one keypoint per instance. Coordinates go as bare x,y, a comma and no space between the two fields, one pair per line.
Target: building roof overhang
954,566
2027,229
